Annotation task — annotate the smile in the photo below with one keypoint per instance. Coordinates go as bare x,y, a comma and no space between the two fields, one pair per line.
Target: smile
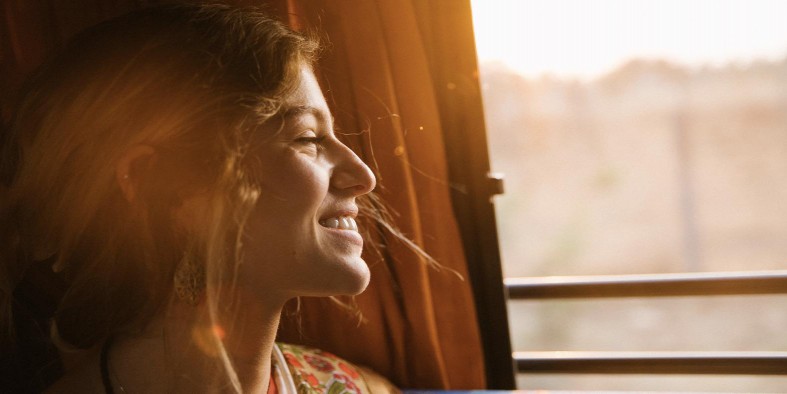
341,223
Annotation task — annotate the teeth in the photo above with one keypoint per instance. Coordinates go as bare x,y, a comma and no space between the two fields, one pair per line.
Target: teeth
343,223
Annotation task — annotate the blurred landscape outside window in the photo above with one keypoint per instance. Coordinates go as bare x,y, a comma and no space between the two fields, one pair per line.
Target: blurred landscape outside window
640,137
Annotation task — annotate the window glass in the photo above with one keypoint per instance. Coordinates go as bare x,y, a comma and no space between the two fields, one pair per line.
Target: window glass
651,324
636,137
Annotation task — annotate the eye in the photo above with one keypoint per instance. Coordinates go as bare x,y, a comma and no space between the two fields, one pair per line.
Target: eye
310,140
315,140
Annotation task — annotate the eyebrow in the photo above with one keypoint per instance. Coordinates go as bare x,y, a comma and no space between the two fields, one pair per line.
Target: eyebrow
300,110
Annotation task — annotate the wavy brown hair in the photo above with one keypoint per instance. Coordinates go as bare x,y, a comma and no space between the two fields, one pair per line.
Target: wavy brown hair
193,82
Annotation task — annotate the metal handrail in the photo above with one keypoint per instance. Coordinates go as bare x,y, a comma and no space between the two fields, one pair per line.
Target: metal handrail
652,285
717,363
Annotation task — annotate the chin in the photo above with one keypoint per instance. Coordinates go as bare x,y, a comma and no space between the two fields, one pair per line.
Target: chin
352,279
358,280
362,285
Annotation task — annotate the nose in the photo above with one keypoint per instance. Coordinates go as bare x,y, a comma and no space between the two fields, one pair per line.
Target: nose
351,175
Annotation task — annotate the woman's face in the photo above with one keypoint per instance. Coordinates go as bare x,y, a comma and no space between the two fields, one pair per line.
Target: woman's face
302,238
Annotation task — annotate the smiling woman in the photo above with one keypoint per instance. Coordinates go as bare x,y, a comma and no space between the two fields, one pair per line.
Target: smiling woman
309,181
173,171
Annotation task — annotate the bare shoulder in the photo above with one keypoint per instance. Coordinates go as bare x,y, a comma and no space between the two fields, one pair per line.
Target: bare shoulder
84,377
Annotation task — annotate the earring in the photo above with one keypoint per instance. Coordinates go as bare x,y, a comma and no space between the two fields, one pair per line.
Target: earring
189,279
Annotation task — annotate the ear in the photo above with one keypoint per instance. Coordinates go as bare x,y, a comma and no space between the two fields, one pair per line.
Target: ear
130,169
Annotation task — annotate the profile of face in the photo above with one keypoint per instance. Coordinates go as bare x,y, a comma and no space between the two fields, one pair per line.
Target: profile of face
302,238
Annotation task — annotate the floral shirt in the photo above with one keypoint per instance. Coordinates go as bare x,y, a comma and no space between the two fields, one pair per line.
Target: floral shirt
313,371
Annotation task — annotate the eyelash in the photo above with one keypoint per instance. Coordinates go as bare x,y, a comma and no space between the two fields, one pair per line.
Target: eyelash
311,140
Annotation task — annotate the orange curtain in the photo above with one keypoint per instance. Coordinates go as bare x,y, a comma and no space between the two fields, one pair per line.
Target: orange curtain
419,325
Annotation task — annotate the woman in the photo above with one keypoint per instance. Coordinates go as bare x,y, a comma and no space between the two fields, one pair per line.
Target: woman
178,171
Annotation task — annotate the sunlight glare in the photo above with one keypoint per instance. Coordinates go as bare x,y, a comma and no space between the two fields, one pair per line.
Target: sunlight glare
584,39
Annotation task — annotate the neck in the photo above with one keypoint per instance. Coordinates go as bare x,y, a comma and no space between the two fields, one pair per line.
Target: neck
177,351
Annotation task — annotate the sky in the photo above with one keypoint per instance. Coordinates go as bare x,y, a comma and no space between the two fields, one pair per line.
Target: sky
587,38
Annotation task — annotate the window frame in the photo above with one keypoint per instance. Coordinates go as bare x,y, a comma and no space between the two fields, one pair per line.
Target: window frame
447,31
449,38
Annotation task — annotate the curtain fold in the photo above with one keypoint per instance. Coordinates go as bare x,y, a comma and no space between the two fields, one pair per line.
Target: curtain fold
419,325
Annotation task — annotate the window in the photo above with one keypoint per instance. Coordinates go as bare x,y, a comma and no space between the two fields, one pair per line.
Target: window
640,137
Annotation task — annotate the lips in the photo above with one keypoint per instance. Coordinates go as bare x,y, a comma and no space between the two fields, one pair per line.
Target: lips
340,222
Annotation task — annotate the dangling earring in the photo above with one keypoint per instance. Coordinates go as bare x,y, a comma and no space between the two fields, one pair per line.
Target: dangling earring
189,278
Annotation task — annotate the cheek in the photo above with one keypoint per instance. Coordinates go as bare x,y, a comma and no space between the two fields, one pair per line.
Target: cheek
295,182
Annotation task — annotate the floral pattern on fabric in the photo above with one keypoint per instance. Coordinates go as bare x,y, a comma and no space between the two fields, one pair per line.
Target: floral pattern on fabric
318,372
